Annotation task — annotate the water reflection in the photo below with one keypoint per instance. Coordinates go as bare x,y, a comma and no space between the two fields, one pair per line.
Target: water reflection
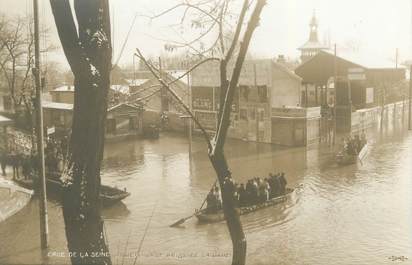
357,214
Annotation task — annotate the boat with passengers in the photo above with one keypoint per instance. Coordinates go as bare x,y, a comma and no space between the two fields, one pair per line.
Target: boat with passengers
206,216
353,150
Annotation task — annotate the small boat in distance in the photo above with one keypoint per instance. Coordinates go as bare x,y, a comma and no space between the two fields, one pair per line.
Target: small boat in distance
343,158
206,217
12,198
108,195
151,131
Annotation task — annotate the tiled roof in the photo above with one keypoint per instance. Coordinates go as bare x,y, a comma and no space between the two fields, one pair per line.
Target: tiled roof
57,105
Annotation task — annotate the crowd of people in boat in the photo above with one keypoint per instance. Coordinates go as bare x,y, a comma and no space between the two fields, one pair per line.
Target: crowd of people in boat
257,190
352,145
23,164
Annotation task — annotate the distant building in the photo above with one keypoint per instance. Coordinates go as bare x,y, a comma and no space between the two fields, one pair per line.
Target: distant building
364,77
312,46
57,116
146,89
267,93
360,83
63,94
124,121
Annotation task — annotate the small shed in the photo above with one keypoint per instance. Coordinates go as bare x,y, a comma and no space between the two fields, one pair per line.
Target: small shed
124,120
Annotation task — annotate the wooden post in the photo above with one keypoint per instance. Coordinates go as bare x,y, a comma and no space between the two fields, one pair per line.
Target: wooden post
336,90
410,97
189,99
306,96
44,229
162,107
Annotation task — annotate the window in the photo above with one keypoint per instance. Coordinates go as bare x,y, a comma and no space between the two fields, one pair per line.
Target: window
261,115
243,114
263,93
165,103
56,117
244,91
133,123
252,114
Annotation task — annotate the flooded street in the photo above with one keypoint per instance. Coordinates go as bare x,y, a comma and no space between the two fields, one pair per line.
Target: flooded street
356,214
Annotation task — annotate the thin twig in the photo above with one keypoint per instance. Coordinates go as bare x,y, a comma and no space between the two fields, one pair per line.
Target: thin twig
193,68
174,94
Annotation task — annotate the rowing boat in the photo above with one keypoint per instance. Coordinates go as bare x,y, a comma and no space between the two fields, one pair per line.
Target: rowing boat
108,195
205,217
343,158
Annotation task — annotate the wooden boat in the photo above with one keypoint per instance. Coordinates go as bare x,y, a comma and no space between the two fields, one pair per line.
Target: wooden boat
205,217
151,132
108,195
343,158
12,199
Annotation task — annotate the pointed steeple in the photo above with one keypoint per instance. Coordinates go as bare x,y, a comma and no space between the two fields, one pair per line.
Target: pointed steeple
313,28
312,46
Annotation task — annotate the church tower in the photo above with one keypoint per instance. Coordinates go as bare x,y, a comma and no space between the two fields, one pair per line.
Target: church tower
312,46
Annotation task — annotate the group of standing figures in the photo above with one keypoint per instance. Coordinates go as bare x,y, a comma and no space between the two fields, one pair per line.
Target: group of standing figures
26,164
257,190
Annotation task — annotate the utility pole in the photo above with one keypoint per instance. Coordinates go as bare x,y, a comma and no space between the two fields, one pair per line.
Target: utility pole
410,98
134,69
162,90
396,58
44,229
336,90
189,99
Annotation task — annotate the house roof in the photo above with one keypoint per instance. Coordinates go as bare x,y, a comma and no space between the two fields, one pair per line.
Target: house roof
254,71
64,88
286,70
120,88
178,73
312,45
133,106
57,105
363,60
136,82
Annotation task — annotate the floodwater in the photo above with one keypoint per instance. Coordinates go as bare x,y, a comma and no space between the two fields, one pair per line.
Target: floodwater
356,214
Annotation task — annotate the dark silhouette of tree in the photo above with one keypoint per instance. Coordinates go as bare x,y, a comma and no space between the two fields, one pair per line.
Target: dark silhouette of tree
88,51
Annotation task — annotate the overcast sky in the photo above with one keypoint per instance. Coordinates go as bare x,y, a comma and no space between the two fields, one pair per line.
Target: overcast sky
375,27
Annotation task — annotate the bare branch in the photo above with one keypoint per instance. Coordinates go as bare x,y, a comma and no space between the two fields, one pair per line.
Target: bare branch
225,117
187,109
238,30
193,68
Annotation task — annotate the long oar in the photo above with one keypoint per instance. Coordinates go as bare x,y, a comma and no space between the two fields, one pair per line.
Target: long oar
181,221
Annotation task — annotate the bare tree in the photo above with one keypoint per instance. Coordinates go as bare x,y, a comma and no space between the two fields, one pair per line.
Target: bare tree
88,50
216,12
16,61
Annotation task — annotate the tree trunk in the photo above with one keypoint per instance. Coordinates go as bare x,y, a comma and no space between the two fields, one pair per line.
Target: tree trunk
232,217
216,155
89,56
